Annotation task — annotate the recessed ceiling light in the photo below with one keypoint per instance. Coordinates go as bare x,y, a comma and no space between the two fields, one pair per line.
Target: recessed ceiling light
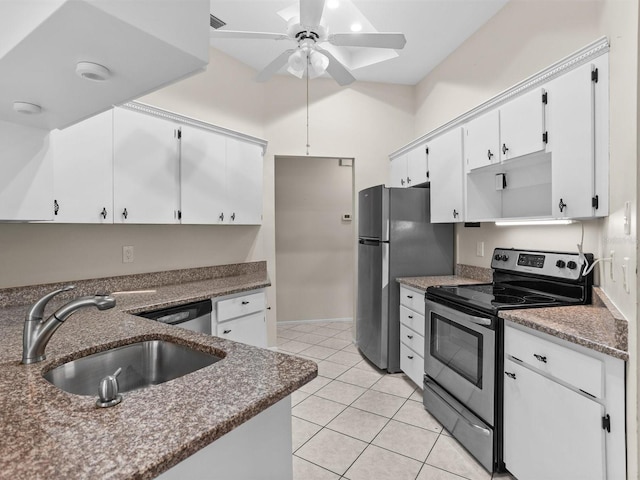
26,108
356,27
92,71
333,4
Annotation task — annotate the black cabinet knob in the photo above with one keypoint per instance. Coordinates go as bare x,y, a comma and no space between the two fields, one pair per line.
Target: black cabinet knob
125,214
56,207
103,213
562,205
505,149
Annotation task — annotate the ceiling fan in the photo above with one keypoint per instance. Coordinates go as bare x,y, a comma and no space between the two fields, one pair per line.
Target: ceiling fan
309,33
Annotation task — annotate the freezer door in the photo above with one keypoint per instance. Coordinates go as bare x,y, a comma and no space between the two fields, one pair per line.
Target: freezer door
373,213
372,308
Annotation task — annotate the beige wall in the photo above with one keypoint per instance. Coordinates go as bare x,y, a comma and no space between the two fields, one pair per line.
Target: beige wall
523,38
314,247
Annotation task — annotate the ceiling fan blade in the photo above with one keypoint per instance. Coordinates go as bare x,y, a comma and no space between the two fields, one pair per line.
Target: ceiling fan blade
274,66
337,70
311,12
377,40
247,35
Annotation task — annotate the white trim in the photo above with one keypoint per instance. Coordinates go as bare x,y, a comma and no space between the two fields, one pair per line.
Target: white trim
316,320
576,59
177,117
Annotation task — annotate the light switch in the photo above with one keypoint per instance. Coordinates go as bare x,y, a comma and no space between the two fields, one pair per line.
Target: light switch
479,249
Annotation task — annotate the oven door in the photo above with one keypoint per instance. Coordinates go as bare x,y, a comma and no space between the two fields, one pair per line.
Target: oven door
460,356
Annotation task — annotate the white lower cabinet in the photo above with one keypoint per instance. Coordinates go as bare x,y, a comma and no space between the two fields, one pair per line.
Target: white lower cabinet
563,409
412,333
241,317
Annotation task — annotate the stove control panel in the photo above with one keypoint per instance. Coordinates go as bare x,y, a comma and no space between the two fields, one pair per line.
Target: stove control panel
567,266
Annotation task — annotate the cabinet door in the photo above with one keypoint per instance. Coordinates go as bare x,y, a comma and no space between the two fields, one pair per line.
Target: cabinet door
26,182
83,171
481,141
522,125
203,189
417,166
571,142
145,169
445,163
251,329
398,171
244,183
550,431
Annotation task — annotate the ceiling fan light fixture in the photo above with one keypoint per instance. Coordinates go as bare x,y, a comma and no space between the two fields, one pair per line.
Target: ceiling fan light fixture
318,64
333,4
297,63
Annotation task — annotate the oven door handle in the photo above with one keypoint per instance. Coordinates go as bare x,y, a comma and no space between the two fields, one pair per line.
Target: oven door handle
483,430
480,321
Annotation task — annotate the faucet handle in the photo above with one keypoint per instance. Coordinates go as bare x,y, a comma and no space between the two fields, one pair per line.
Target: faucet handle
108,391
36,312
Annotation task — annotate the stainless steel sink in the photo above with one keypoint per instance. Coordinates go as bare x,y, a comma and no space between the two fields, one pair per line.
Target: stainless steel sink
143,364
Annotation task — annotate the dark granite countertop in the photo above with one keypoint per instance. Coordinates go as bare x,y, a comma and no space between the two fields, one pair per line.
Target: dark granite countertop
47,433
598,326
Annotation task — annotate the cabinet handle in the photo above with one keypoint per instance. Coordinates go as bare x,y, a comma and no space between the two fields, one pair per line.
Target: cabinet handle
510,375
489,154
409,296
410,337
408,180
56,207
125,214
540,358
410,316
455,213
245,302
226,331
103,213
221,217
233,216
402,181
410,357
562,205
504,149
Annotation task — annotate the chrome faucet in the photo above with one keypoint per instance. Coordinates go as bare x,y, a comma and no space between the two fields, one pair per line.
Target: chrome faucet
37,332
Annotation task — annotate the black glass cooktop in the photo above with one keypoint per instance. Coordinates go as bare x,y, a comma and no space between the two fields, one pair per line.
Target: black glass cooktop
493,297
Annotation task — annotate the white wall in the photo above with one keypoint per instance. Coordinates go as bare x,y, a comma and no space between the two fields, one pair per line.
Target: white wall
315,251
523,38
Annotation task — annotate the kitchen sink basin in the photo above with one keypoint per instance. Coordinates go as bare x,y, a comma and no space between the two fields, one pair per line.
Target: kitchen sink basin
143,364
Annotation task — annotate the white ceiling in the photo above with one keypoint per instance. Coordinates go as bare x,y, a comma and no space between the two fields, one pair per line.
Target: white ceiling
433,29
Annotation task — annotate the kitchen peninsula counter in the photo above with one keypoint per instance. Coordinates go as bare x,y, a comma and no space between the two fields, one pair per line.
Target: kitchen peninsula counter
48,433
598,326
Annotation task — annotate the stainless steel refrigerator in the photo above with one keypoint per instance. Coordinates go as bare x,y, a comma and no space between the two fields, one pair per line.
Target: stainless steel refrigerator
396,239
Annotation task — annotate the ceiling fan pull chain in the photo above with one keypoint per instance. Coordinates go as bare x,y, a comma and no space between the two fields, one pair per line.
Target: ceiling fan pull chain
308,105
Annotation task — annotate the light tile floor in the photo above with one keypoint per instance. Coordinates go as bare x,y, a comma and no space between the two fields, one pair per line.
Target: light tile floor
354,422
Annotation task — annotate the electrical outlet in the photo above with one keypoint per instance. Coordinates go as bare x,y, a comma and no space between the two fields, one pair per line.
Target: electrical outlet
612,256
127,254
479,249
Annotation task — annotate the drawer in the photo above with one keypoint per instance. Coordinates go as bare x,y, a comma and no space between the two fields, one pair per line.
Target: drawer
411,319
251,329
412,364
239,306
412,299
411,339
575,368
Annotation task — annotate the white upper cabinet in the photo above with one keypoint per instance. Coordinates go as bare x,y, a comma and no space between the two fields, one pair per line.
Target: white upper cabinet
447,182
26,182
143,46
482,140
244,183
83,171
145,168
418,165
577,105
203,160
522,125
398,171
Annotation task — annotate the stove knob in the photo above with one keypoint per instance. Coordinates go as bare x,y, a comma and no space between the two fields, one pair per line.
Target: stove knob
497,257
560,264
504,258
571,265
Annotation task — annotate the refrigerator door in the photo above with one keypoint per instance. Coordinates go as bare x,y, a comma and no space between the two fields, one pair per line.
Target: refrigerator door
372,309
373,213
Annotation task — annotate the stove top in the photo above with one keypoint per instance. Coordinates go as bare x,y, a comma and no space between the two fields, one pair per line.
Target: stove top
524,279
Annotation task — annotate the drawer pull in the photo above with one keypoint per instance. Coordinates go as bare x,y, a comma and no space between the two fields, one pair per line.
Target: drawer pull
244,302
409,337
226,331
410,357
540,358
409,296
410,316
510,375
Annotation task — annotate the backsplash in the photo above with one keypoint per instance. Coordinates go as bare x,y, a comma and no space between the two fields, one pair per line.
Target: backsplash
481,274
26,295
